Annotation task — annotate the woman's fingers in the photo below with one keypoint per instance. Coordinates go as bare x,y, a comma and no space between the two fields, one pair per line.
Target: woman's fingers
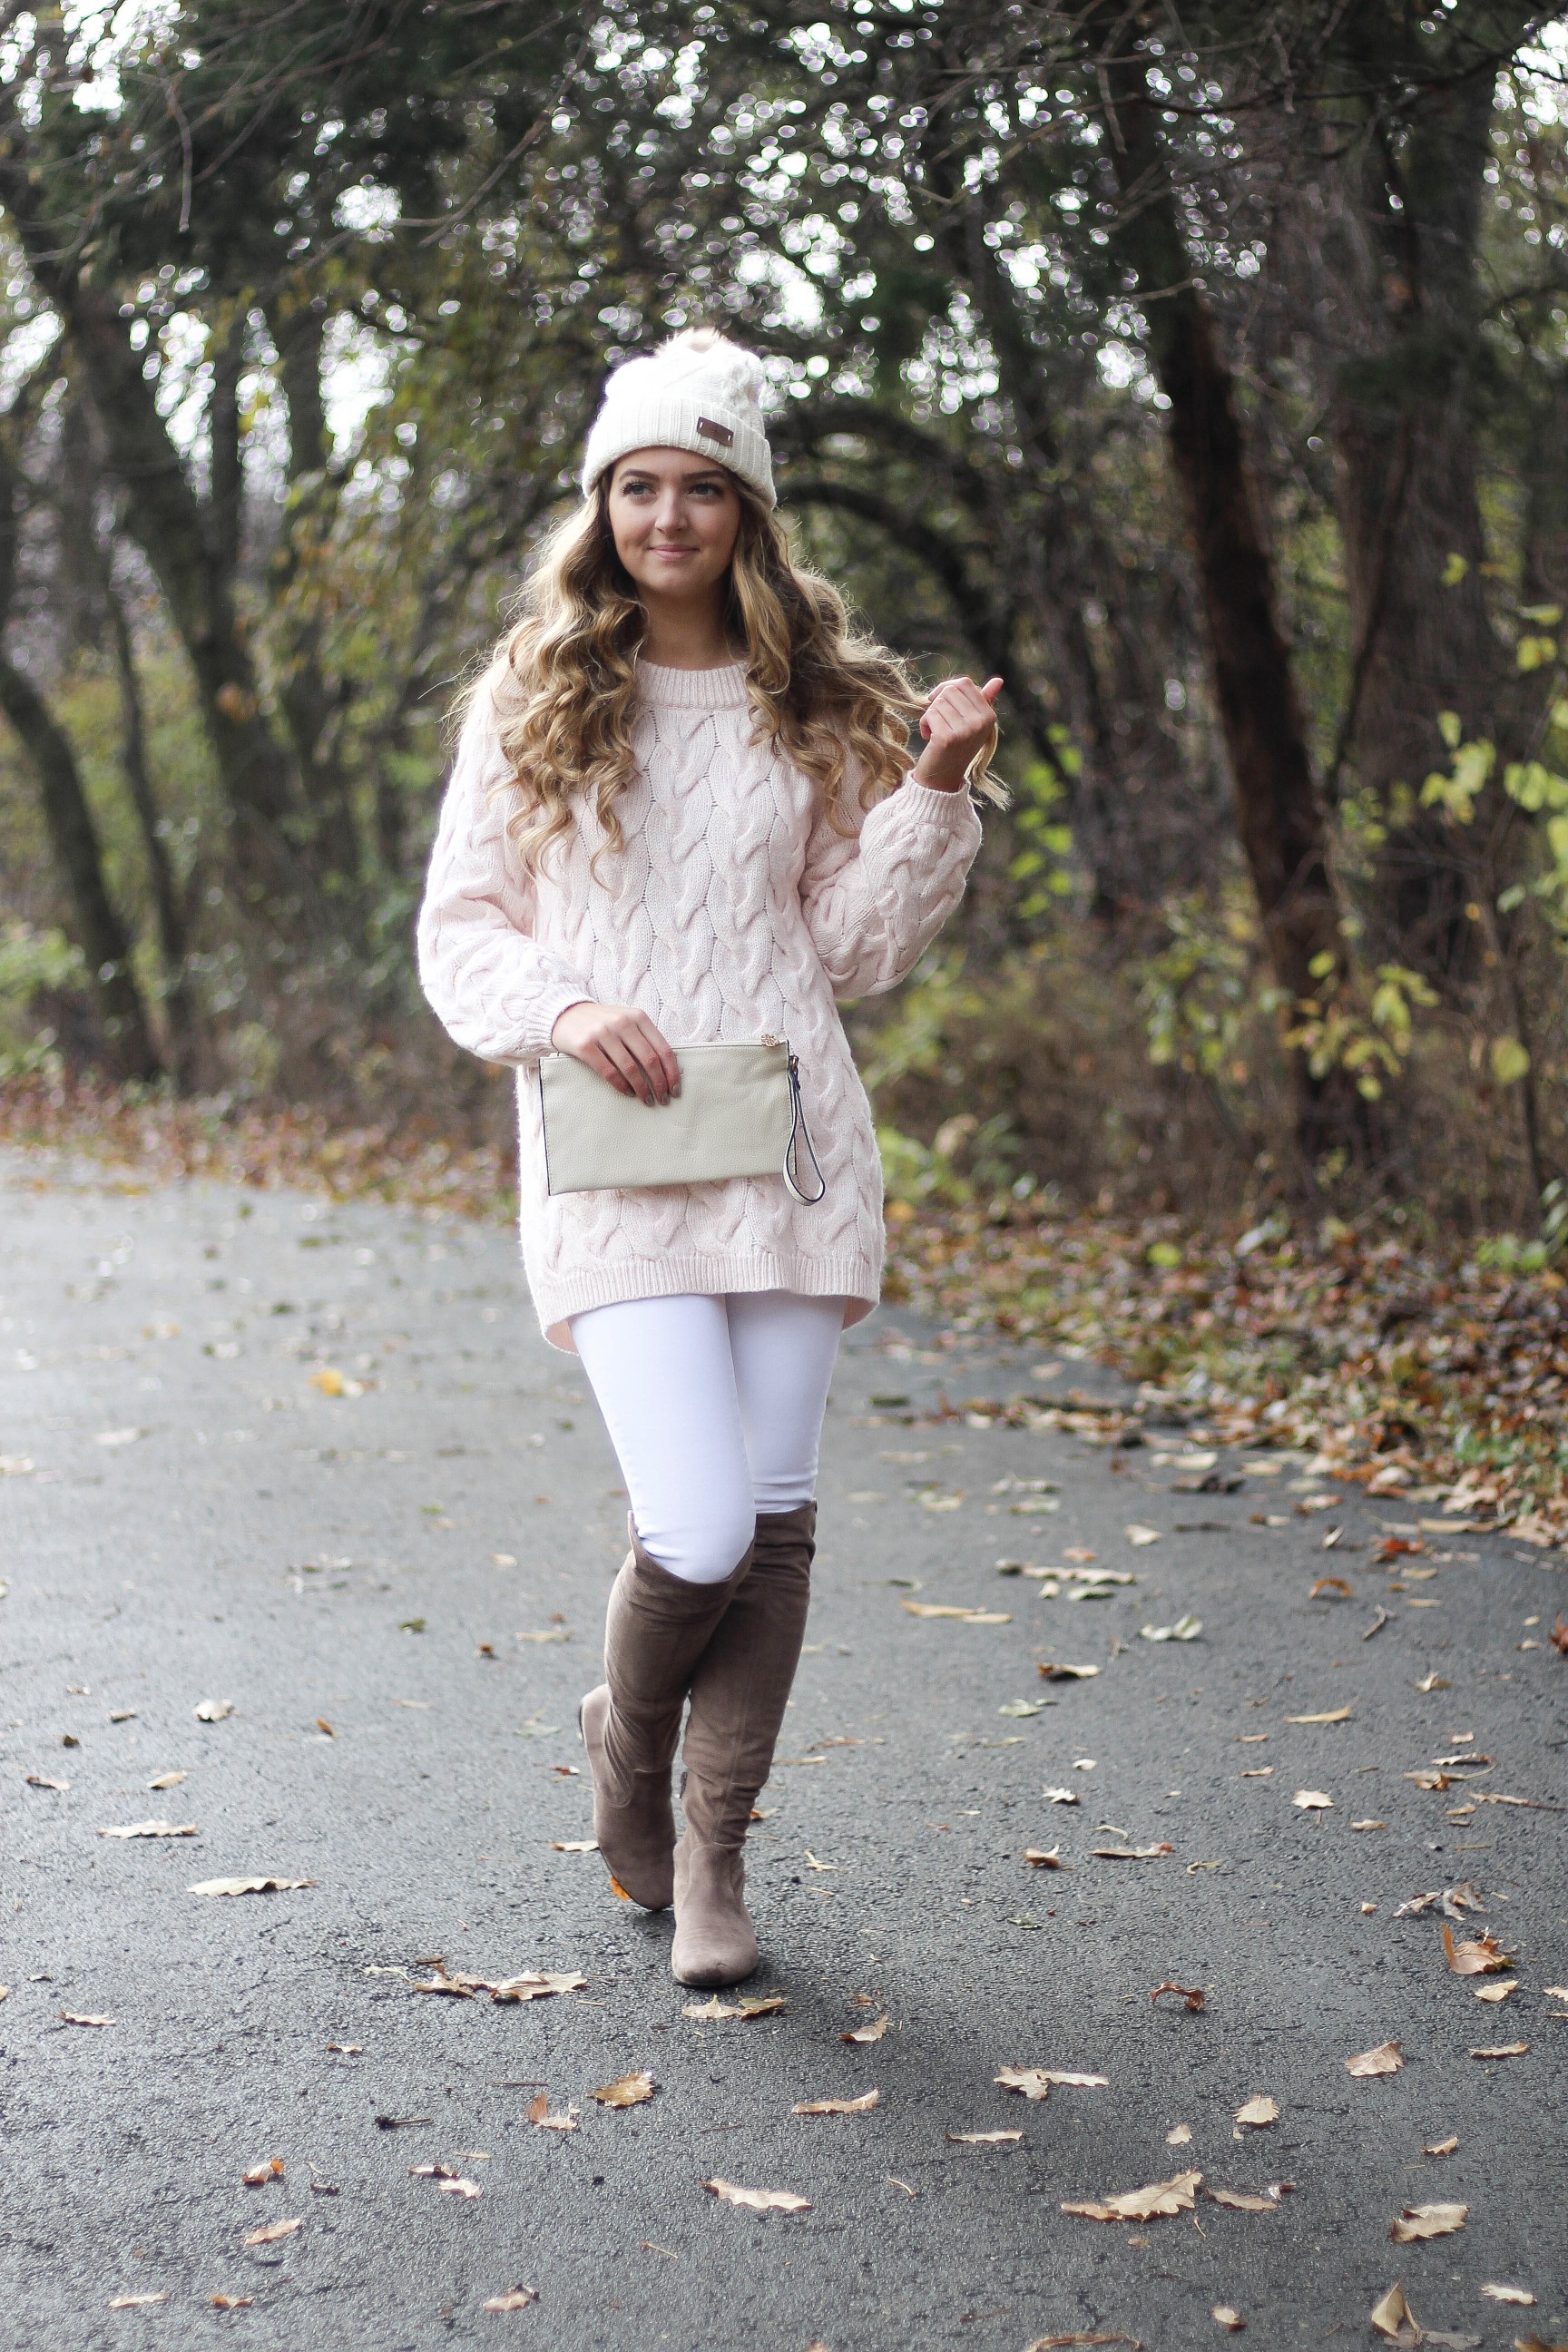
658,1057
621,1047
959,709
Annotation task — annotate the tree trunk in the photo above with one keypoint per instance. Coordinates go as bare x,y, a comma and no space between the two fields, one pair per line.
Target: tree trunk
73,836
1409,502
1278,814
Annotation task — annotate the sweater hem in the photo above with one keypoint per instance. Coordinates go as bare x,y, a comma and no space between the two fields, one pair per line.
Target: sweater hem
699,1274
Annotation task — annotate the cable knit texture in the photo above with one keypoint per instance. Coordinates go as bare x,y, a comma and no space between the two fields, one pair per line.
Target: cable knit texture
734,911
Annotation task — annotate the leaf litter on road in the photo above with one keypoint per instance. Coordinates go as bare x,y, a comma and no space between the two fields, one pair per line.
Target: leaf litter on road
270,2168
272,2233
871,2032
749,2005
626,2090
1192,1994
538,2116
1417,2221
860,2106
214,1710
516,2298
1259,2111
1160,2198
248,1885
1479,1956
758,2200
152,1830
1385,2060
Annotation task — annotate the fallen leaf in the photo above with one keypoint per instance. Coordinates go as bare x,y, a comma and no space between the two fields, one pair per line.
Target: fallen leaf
329,1382
983,2139
151,1830
1441,2146
270,2168
1059,2343
1130,1852
1244,2200
1163,2197
1191,1994
860,2106
323,1727
1503,2050
1369,1825
1480,1956
123,1714
1020,1707
42,1780
964,1616
214,1710
458,2186
1530,2343
1427,2222
1507,2294
626,2090
1392,2317
1045,1857
75,2016
1187,1629
1335,1715
1330,1584
1180,2137
537,1986
136,2302
168,1780
873,2033
574,1845
1497,1991
347,2049
517,2298
1062,1673
231,2302
1034,2082
1139,1536
1385,2060
1228,2316
248,1885
271,2233
759,2201
1259,2111
1312,1800
1558,1637
431,2172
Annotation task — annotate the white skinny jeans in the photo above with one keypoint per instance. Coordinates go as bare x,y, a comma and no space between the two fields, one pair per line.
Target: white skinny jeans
714,1407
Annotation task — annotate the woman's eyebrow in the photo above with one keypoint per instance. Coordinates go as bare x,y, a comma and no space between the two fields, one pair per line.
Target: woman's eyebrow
687,481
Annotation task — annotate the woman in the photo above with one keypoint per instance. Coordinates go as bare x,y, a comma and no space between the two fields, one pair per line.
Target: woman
683,811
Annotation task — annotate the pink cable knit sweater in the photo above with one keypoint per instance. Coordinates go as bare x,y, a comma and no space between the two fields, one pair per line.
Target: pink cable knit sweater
734,910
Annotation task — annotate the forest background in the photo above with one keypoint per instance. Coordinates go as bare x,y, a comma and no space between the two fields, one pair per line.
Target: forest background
1203,371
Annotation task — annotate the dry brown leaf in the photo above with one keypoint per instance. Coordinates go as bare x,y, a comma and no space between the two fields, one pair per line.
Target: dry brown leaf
574,1845
1161,2197
1494,2293
1130,1852
42,1780
1503,2050
873,2033
151,1830
626,2090
272,2231
231,2302
1259,1772
1369,1825
458,2186
1248,2201
270,2168
1330,1584
1259,2111
1062,1674
1392,2317
1441,2146
759,2201
1496,1991
1334,1714
168,1780
1192,1994
1179,2136
1075,2081
1480,1956
1034,2082
214,1710
1419,2221
860,2106
1385,2060
248,1885
74,2017
1228,2317
537,1986
539,2114
1312,1800
136,2302
1045,1857
1534,2344
983,2139
517,2298
964,1616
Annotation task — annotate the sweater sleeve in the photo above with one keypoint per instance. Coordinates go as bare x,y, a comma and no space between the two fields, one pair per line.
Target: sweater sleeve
495,989
875,900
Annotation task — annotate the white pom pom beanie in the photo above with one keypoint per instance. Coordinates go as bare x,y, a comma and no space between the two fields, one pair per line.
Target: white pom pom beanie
697,392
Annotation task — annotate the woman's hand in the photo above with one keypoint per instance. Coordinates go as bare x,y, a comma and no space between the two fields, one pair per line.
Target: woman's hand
622,1045
958,724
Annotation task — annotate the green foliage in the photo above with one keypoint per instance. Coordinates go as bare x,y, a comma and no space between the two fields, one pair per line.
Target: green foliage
1200,993
32,962
1040,809
1366,1031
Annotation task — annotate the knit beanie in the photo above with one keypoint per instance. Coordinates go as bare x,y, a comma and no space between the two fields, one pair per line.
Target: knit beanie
697,392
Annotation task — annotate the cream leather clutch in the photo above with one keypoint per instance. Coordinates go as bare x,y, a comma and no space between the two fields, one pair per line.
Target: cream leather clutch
738,1114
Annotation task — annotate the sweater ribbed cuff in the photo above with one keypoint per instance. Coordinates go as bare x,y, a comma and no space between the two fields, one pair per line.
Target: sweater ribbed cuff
545,1011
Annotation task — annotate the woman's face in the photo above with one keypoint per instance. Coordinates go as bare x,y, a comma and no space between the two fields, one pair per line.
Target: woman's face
675,518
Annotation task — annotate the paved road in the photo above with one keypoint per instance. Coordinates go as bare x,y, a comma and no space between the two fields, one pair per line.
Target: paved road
420,1563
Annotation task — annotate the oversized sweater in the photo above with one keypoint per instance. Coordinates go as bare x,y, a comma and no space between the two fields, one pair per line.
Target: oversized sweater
734,910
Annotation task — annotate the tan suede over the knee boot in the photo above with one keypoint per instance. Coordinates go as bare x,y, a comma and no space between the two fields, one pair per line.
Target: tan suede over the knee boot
739,1688
655,1628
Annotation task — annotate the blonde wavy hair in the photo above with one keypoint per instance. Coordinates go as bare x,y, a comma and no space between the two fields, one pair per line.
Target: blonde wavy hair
563,679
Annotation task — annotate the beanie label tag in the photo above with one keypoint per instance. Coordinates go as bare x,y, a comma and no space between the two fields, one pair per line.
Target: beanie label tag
711,432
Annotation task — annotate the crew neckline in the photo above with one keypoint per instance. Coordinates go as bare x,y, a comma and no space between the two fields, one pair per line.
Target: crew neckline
723,688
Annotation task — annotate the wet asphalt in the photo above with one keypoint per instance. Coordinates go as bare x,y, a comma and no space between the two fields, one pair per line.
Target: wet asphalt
315,1462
